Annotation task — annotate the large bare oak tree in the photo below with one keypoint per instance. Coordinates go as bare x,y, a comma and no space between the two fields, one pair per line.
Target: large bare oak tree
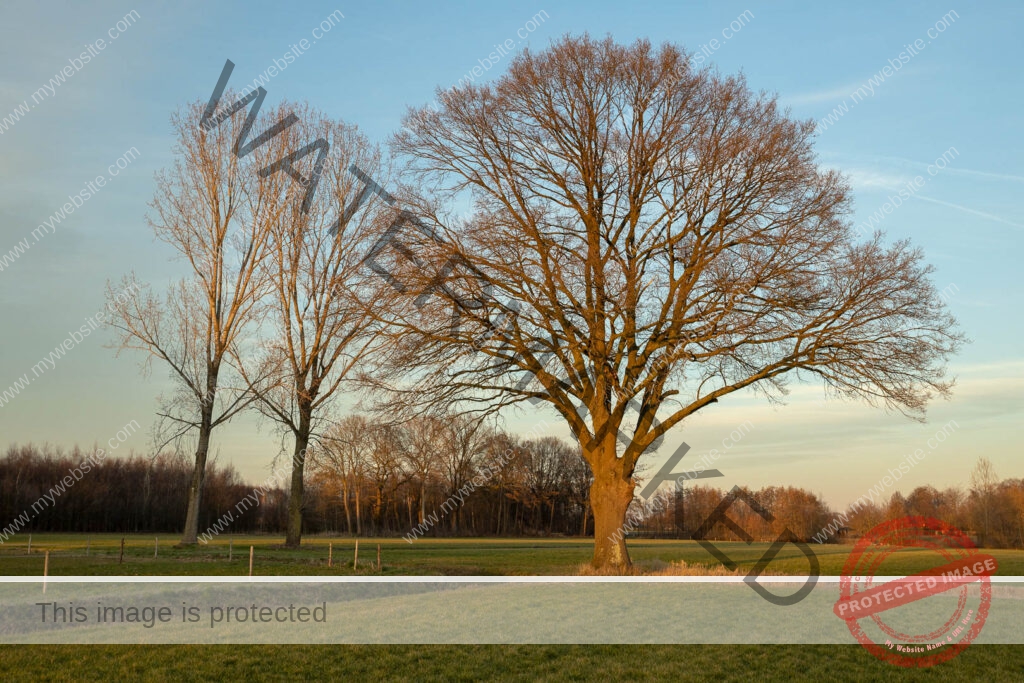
609,231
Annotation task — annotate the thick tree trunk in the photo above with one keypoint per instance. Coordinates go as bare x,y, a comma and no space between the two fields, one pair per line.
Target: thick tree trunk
295,500
195,490
610,495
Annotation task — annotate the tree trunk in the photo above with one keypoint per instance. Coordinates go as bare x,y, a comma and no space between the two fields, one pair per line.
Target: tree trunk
195,490
610,495
423,498
294,536
378,511
359,514
501,507
348,512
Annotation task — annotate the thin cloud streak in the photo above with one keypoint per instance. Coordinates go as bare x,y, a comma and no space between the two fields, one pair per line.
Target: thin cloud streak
838,93
952,170
986,174
982,214
831,95
867,178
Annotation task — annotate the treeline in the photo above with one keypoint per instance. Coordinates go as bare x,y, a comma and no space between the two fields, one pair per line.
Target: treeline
450,477
46,489
990,511
682,513
453,475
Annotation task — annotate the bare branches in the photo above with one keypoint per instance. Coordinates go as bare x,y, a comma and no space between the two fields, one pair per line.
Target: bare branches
665,234
210,208
652,238
316,336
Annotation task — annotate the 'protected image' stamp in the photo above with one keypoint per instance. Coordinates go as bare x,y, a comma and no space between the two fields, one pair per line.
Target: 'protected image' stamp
924,618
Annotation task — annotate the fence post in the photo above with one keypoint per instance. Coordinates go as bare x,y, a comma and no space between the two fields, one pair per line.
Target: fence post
29,545
330,554
378,557
355,559
87,541
250,560
120,560
46,568
231,547
156,546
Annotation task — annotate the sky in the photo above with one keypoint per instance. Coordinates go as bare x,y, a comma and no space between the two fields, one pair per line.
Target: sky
944,124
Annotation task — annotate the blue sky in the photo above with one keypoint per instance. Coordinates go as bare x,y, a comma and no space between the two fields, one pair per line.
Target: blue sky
959,95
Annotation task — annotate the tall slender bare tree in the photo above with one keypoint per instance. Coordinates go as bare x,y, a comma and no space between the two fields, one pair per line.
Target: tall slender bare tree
609,231
213,209
317,336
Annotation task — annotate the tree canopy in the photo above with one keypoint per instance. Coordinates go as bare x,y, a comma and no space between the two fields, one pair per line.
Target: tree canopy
610,231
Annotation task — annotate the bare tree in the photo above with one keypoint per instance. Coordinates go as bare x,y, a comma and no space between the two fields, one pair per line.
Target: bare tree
211,208
341,458
501,457
384,470
422,446
315,250
577,487
465,439
643,239
543,464
984,483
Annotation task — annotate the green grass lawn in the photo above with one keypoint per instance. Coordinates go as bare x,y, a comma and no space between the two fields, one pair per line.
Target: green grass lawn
474,556
469,556
492,662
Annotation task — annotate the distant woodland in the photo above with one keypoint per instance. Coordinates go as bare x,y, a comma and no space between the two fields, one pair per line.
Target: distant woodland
385,481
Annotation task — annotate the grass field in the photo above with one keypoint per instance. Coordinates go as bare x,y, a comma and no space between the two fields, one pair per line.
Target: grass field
469,556
454,557
493,662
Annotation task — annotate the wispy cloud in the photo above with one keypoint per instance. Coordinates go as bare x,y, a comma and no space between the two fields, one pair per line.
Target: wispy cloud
869,178
952,170
986,174
835,94
892,173
982,214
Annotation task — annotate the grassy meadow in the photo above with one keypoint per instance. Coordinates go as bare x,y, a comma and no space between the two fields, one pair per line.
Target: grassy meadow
427,556
492,662
470,556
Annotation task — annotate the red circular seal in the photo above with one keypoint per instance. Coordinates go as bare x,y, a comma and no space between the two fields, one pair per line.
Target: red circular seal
871,609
